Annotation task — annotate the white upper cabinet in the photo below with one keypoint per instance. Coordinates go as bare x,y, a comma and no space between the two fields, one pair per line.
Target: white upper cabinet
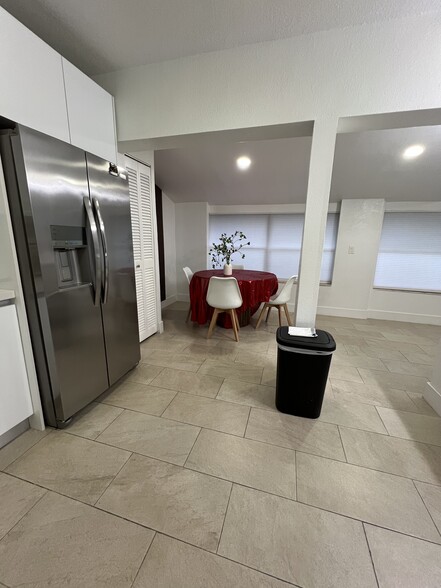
43,91
90,113
32,90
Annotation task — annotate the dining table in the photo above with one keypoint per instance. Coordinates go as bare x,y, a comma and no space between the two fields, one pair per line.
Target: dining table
255,286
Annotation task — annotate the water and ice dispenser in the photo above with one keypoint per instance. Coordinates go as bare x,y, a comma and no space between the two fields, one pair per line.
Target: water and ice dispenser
71,255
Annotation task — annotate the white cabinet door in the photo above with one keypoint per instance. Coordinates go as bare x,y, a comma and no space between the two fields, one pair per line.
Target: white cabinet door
32,88
15,396
143,211
91,114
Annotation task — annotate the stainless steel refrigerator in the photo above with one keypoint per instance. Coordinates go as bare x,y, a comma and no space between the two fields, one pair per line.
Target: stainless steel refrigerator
71,219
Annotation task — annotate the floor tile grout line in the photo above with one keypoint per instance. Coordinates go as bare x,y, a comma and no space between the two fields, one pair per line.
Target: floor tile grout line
404,392
215,554
114,478
384,424
350,463
296,477
241,484
248,420
105,428
192,447
215,398
370,553
28,511
124,408
342,444
144,558
50,432
363,521
427,508
225,517
177,392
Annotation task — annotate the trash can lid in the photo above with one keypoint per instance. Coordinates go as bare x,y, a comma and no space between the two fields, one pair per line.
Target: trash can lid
323,342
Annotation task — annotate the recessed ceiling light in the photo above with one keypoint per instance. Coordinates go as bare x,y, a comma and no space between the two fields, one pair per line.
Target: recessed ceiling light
243,162
413,151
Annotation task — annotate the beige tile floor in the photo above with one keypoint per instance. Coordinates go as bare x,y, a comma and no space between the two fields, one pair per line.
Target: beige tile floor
185,475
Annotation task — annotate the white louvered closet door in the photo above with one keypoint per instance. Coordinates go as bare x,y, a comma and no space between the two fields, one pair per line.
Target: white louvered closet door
142,207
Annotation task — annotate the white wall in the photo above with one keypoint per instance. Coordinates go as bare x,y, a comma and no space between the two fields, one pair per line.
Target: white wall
169,221
191,241
384,67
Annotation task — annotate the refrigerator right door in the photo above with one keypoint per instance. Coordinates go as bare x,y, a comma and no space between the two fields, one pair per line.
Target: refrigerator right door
109,194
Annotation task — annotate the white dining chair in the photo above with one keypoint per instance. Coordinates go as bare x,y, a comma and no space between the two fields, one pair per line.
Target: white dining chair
237,266
188,274
279,301
224,295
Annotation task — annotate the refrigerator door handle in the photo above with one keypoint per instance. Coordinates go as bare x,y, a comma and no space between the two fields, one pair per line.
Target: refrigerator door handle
96,250
102,230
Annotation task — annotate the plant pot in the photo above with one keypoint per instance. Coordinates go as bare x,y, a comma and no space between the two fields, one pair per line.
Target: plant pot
228,269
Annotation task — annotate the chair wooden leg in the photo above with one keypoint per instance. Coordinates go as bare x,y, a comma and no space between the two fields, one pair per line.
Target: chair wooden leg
268,313
188,314
259,320
232,313
288,316
279,308
237,320
213,322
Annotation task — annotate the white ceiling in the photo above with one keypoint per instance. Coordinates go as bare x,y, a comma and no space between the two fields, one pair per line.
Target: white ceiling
366,165
106,35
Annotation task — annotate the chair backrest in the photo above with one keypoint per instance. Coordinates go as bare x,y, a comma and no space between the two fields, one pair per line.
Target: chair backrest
224,293
188,273
285,293
237,266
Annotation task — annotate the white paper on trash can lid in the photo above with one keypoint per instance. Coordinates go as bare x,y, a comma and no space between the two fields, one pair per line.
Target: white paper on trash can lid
301,332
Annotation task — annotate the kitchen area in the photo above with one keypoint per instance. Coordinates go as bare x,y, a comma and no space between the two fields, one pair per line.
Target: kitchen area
71,115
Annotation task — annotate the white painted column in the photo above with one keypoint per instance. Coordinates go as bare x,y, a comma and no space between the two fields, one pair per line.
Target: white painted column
319,184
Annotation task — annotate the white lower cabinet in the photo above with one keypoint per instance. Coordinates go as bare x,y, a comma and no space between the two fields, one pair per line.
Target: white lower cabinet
15,396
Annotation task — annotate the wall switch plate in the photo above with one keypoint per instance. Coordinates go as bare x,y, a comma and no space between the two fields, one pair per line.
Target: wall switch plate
351,250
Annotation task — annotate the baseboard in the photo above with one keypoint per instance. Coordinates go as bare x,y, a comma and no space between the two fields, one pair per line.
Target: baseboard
406,317
384,315
183,298
161,327
168,301
14,433
343,312
433,397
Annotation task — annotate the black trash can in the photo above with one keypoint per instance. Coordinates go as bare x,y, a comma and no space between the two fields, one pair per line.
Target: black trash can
302,371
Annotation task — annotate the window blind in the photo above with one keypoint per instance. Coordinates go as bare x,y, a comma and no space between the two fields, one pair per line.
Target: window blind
276,241
409,256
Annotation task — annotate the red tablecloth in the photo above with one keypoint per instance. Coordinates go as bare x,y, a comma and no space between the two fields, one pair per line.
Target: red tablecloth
255,287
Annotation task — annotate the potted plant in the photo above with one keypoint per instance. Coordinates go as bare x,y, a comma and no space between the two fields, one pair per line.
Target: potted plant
221,253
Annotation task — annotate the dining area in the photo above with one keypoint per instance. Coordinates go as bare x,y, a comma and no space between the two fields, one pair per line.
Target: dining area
230,301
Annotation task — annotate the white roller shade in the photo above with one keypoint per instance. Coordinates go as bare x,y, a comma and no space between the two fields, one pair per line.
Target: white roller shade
276,241
409,256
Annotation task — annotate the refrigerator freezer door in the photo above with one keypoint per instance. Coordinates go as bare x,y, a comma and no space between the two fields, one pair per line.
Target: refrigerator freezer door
52,183
110,197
